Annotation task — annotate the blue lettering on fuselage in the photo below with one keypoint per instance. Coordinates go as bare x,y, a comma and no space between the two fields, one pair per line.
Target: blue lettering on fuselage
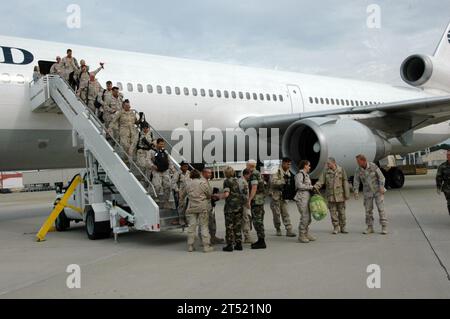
8,57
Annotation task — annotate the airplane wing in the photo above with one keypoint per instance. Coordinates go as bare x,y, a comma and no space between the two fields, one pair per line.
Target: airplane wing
393,120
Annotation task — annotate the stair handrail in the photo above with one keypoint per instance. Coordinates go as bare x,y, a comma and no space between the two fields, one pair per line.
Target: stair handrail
104,132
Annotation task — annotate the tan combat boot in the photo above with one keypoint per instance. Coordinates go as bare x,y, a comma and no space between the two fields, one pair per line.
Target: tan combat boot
343,230
191,248
369,230
208,249
279,234
290,233
303,239
384,230
335,230
310,237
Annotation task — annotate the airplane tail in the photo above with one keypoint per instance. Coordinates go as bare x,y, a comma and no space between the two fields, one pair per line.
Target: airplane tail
443,49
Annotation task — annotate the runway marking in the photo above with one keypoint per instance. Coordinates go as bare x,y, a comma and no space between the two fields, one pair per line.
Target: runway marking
426,237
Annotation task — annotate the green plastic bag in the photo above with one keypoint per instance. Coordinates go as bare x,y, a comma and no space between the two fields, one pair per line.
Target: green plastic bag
318,207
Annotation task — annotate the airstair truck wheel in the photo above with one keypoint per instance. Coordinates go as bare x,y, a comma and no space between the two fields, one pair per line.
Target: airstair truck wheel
62,223
96,230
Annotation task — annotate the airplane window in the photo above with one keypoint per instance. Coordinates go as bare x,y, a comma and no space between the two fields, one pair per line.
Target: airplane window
316,100
268,97
332,101
177,91
159,89
149,89
120,86
281,98
261,97
140,88
342,102
321,100
226,94
219,93
347,103
168,90
255,96
352,102
274,97
247,95
311,101
241,95
327,101
130,87
211,93
194,92
186,91
203,92
233,94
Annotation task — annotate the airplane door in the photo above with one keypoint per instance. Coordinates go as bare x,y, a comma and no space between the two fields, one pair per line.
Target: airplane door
296,97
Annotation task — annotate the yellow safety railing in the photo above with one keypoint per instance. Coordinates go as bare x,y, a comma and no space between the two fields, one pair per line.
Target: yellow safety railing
58,209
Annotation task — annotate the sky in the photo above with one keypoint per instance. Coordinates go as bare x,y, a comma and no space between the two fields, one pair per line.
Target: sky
327,37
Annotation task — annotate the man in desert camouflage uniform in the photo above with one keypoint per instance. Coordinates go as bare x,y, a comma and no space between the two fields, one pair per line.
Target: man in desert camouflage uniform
180,179
89,92
57,68
113,104
370,176
83,75
125,121
71,66
162,169
335,179
278,204
143,145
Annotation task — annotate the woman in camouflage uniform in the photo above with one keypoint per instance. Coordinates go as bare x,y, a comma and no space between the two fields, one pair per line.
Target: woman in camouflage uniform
304,188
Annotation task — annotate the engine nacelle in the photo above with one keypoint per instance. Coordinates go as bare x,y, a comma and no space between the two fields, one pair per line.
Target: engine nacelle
317,139
428,72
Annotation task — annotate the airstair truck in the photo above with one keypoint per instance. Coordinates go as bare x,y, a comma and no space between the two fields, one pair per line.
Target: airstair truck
112,195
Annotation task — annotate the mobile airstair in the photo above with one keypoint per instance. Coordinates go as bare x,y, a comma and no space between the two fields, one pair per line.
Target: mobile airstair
112,194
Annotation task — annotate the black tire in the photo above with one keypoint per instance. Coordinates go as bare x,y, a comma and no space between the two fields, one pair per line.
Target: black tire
62,223
396,178
96,230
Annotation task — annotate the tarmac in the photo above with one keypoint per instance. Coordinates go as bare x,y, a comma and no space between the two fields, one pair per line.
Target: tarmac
413,259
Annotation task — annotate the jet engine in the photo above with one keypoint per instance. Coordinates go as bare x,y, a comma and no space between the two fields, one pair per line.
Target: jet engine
426,72
317,139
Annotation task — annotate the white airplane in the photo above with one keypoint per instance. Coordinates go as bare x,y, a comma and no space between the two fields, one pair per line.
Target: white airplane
317,116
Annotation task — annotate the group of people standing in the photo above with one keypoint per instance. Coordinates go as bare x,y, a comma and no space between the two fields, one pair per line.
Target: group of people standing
245,198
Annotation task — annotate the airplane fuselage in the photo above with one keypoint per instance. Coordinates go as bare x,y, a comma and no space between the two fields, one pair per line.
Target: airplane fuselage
174,93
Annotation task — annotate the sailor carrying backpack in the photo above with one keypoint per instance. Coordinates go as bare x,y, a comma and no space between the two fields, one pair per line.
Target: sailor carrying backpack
162,160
